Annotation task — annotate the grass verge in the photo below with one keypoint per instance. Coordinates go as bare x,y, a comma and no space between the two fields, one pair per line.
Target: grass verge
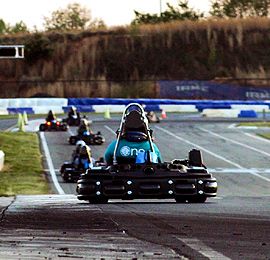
23,172
266,136
257,124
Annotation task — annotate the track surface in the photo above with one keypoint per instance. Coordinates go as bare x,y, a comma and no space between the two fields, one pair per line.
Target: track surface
235,225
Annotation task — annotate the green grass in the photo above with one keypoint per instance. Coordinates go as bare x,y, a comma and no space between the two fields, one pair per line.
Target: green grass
23,172
258,124
266,135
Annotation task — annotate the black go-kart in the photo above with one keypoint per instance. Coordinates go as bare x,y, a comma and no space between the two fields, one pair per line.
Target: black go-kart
152,117
185,180
88,138
71,173
53,125
72,121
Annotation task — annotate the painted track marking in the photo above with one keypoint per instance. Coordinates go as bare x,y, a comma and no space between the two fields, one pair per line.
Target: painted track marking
235,142
254,173
109,129
258,137
203,249
50,163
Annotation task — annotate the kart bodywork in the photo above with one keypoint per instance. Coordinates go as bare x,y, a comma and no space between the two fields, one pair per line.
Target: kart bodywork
54,125
89,139
182,180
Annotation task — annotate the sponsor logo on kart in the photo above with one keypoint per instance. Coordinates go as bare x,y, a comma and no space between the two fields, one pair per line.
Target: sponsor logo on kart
127,151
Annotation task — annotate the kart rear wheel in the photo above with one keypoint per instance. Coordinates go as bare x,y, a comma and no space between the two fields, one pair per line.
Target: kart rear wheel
42,128
72,140
98,140
100,200
64,127
197,199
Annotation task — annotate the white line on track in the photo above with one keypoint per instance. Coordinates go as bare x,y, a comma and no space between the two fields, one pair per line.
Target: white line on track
203,249
200,147
254,173
235,142
258,137
50,164
110,129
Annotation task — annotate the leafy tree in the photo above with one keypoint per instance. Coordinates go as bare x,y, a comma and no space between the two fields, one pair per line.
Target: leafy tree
19,27
2,26
240,8
181,12
74,17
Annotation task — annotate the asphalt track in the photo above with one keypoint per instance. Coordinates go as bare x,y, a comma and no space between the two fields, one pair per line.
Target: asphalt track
234,225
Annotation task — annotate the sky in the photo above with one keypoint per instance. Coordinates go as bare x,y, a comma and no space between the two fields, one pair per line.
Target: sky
112,12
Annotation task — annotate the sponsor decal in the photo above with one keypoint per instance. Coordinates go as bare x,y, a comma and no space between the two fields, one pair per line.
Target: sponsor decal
127,151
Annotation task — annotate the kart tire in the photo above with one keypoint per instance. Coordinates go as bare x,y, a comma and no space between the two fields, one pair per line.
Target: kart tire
180,199
64,127
197,199
73,140
42,128
195,158
100,200
98,140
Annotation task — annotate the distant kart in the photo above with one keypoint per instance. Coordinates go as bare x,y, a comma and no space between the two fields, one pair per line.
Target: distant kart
54,125
182,180
72,121
71,173
88,138
152,117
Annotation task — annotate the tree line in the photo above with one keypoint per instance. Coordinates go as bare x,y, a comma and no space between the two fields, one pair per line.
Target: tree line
76,17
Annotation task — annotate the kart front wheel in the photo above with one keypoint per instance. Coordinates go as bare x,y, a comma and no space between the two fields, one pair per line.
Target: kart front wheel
72,140
101,200
180,199
197,199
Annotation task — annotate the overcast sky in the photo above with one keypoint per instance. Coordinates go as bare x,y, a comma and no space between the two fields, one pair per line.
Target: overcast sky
113,12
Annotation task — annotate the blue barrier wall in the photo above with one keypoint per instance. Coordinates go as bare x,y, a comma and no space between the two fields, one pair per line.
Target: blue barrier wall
195,89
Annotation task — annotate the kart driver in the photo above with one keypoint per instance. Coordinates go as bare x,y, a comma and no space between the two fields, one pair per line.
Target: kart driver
133,137
51,116
84,159
73,113
84,127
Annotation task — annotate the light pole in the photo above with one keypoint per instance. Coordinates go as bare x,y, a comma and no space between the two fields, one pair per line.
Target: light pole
160,7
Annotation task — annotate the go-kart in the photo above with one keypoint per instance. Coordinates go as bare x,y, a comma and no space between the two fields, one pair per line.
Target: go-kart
88,138
71,171
147,178
74,120
152,117
53,125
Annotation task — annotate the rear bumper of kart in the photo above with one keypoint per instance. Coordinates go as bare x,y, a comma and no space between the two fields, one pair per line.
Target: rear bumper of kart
134,185
71,174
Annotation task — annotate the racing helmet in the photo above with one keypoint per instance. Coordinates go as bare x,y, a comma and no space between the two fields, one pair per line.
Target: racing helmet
84,122
135,125
85,151
80,143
